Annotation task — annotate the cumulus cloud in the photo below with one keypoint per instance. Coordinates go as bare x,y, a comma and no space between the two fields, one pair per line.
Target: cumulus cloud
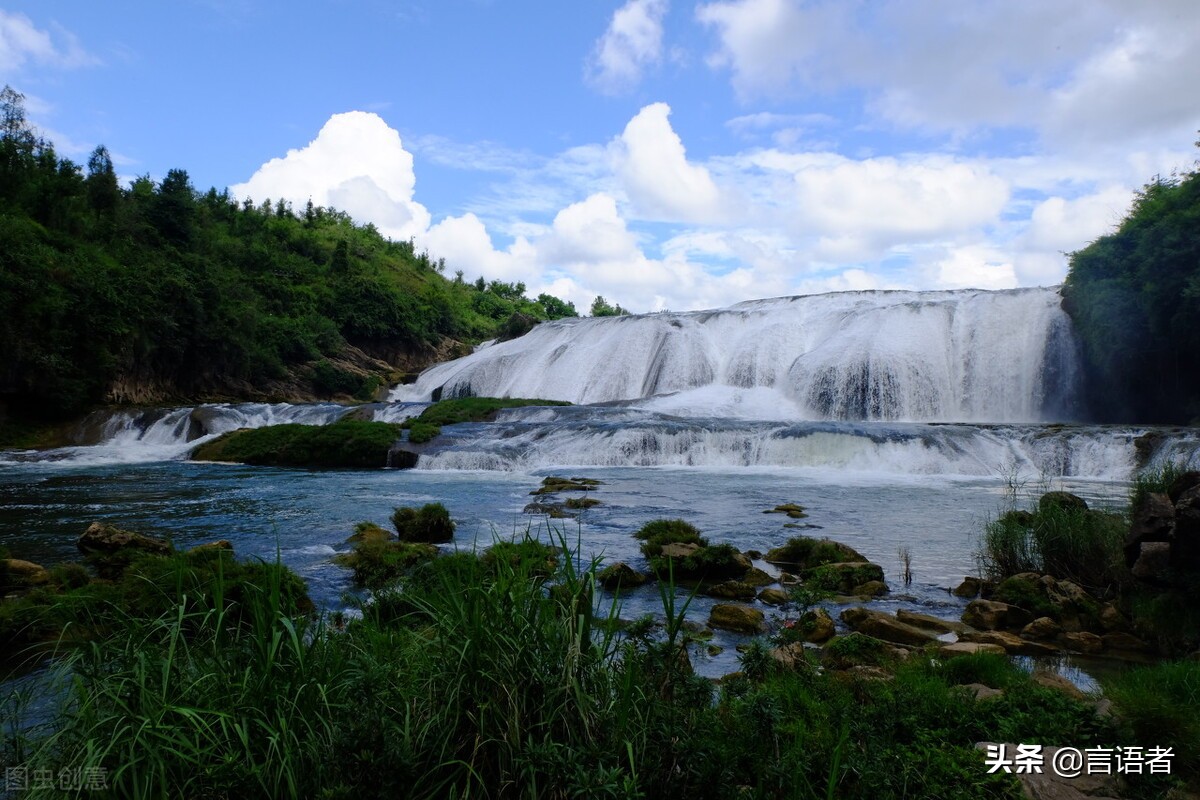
653,167
632,42
356,164
22,42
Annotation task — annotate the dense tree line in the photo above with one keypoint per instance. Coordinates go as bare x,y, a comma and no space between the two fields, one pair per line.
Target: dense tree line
1135,298
193,290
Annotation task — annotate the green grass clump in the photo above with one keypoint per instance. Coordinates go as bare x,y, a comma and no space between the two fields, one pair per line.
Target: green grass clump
1154,481
803,552
659,532
429,423
1071,543
376,563
347,443
429,523
1159,705
1026,594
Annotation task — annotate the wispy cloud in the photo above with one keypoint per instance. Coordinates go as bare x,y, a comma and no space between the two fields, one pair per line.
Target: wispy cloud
632,42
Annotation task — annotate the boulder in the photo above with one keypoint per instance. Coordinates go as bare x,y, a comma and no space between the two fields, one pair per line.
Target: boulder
1082,642
969,649
989,615
885,627
791,656
802,552
1153,521
929,622
740,619
982,691
1064,501
365,532
969,588
774,597
1052,680
731,590
817,625
100,537
678,549
1185,543
1041,628
1111,619
871,589
18,574
1011,643
620,576
1154,563
757,577
1181,484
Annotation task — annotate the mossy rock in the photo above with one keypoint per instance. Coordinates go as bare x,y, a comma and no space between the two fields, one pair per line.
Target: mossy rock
793,510
659,532
553,484
429,523
368,532
582,502
377,563
528,553
804,552
348,443
737,618
1026,591
731,590
708,562
856,649
844,577
620,576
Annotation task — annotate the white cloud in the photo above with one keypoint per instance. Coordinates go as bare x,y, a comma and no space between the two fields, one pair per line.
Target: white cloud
632,42
653,167
23,42
356,164
974,267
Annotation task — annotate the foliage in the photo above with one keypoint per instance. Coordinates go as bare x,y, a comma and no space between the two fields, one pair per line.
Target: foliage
659,532
345,443
1077,544
602,308
377,563
472,680
804,552
199,295
1154,481
429,523
1158,703
429,423
1133,297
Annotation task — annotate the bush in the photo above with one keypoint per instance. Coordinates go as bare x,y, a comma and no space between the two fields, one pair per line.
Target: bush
429,523
1159,704
803,552
659,532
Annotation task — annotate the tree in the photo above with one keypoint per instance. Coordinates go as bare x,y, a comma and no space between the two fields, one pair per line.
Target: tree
555,308
102,190
174,209
601,308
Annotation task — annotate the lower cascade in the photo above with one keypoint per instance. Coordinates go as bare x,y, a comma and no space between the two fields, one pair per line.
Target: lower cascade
953,356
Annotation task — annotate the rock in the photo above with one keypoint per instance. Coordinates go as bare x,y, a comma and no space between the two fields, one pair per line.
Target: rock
870,589
968,588
1011,643
1041,628
802,552
1049,785
1052,680
1064,501
100,537
791,656
221,545
817,625
1153,521
1112,620
929,622
731,590
843,576
885,627
774,597
740,619
1154,563
1181,484
16,573
969,649
365,532
982,692
402,456
620,576
1125,643
1082,642
679,549
869,672
757,577
988,615
1066,594
1185,543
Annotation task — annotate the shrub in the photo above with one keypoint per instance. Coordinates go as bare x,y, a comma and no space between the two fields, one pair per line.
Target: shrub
804,552
429,523
659,532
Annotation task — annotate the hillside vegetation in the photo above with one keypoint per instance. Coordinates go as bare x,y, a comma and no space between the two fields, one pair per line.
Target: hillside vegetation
159,292
1135,299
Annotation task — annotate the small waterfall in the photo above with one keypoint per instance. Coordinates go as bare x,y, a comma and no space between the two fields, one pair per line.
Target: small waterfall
958,356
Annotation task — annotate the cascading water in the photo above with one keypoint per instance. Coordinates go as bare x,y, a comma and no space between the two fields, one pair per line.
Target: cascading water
962,356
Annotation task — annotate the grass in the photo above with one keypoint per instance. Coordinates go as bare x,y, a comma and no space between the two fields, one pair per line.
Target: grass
1081,545
429,423
803,552
471,678
1158,704
345,443
429,523
1154,481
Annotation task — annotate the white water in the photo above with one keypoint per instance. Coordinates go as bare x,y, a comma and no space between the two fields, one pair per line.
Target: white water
542,438
967,356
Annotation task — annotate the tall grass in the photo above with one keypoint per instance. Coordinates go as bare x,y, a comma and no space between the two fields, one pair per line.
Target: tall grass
1081,545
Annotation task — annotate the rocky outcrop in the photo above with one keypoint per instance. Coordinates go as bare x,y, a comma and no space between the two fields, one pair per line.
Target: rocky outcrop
736,618
990,615
100,537
885,627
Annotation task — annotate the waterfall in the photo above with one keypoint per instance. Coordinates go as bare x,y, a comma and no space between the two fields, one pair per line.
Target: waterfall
954,356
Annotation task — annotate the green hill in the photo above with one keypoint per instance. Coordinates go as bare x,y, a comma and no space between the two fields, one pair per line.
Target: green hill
159,292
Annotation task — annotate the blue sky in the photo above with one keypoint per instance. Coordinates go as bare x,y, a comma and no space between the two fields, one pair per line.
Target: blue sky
661,153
